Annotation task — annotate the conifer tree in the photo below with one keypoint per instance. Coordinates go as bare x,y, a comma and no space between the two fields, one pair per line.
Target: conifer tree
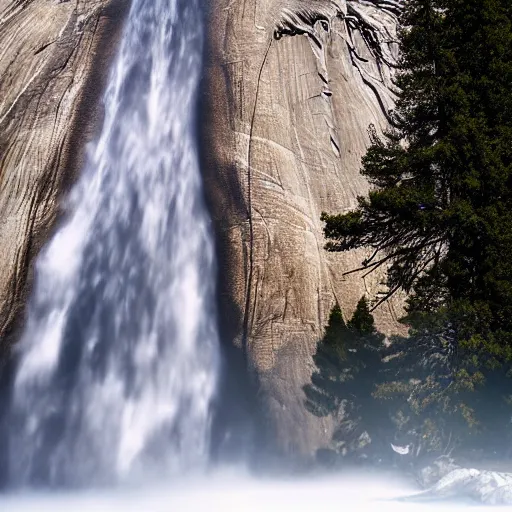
439,216
439,219
348,361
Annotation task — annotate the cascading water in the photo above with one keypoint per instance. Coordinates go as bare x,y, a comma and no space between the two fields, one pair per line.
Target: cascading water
119,358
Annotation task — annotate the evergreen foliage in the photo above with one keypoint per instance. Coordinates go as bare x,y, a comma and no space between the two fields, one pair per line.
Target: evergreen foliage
347,355
362,322
440,213
410,390
439,219
433,407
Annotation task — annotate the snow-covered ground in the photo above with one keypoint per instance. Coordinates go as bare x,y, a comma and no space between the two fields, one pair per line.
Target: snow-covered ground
240,493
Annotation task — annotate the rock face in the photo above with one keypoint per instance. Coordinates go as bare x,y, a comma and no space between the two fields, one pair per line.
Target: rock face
53,57
293,86
444,479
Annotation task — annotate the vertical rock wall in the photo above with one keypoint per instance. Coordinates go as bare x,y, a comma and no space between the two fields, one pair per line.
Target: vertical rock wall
53,58
293,86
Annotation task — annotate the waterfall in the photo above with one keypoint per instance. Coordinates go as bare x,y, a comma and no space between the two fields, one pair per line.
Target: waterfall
118,362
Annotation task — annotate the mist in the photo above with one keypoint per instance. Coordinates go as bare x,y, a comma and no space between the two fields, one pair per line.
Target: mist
236,490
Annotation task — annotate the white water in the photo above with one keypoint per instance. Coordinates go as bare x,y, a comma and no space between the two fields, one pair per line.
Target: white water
223,493
119,358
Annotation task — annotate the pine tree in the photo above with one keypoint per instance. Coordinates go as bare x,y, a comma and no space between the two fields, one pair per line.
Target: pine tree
439,219
348,360
439,216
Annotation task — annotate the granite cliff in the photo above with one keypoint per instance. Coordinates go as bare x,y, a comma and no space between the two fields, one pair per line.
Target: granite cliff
53,58
293,86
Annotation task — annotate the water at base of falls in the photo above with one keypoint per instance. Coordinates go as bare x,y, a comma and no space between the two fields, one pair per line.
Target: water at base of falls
222,493
119,359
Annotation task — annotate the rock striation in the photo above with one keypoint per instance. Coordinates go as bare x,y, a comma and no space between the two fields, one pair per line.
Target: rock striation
53,57
292,88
